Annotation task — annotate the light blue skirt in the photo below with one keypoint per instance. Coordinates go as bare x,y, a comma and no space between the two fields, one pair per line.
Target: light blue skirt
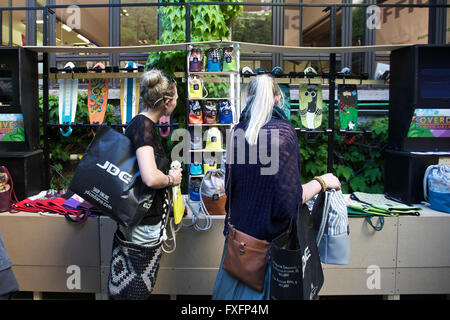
229,288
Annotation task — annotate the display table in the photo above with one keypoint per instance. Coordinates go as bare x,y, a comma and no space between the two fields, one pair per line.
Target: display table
410,255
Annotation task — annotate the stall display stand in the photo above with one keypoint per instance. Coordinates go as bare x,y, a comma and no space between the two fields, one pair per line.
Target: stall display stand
192,269
330,78
204,156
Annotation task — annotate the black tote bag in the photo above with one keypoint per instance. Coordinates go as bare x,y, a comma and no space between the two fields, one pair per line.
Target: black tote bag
296,271
108,177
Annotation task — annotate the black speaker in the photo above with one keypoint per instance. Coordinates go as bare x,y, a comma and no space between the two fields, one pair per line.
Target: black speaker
19,95
403,175
26,170
420,88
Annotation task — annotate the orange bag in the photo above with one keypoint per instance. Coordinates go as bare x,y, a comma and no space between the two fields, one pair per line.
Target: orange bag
195,112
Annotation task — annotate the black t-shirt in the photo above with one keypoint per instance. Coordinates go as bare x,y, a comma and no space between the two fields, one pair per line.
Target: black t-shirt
142,132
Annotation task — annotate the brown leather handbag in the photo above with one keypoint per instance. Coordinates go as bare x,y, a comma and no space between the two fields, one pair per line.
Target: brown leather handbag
245,256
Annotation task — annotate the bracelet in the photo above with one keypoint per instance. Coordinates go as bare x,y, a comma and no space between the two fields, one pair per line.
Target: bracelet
322,182
170,181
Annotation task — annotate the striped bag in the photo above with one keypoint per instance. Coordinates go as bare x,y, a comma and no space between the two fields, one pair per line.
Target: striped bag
333,237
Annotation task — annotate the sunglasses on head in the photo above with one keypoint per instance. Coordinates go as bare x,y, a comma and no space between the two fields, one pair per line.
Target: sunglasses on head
170,79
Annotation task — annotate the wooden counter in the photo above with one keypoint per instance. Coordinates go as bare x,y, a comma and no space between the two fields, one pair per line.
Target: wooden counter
410,255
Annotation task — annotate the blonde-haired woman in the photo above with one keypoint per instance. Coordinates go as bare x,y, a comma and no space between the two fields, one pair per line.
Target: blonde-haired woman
262,205
158,97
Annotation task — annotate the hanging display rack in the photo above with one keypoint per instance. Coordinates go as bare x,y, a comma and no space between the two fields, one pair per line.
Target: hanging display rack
331,51
330,78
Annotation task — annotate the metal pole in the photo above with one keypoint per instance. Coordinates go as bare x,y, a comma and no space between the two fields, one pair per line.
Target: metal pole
1,27
188,22
10,31
30,24
114,39
369,39
46,101
331,89
187,40
300,24
437,23
346,34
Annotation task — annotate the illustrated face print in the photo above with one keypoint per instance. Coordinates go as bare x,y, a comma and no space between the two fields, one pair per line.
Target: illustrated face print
311,95
347,99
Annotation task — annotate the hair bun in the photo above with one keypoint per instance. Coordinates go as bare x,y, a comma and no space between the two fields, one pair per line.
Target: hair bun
152,78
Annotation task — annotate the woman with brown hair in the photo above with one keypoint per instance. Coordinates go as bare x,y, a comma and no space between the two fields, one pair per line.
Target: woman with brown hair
158,97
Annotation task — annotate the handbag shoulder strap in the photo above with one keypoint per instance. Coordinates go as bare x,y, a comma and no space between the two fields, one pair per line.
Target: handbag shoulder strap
166,212
228,166
323,223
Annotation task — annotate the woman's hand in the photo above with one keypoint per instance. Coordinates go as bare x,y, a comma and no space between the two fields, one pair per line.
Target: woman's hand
332,181
176,174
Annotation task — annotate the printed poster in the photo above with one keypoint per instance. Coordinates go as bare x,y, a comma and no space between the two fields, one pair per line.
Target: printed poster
12,128
430,123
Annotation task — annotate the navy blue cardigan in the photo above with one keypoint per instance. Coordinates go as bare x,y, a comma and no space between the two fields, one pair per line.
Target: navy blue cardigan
262,205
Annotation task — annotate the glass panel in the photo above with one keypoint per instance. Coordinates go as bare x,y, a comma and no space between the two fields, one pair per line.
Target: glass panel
448,23
18,28
399,26
256,64
403,25
320,65
82,27
13,23
124,63
291,24
39,28
258,20
316,25
358,25
5,27
138,25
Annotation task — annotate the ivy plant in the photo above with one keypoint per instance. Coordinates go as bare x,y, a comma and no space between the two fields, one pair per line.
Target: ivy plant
208,22
359,165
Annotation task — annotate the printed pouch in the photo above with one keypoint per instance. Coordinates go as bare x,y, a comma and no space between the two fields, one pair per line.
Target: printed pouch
195,88
225,112
228,60
195,112
209,164
194,189
196,138
195,60
210,112
213,58
195,168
